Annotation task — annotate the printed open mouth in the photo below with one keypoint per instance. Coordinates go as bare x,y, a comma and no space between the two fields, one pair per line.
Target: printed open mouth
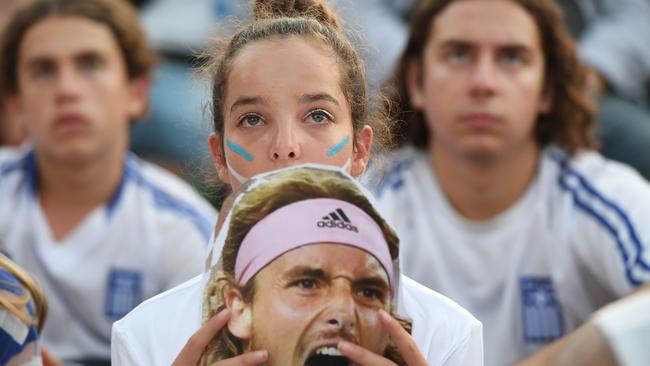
327,356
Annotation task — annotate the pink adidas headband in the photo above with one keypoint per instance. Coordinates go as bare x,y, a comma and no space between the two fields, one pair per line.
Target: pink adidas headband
312,221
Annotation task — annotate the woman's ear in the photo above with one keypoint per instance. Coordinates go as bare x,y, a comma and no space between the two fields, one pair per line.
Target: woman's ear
218,157
241,320
361,151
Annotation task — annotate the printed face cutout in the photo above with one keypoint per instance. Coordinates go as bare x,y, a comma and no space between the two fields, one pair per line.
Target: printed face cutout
308,299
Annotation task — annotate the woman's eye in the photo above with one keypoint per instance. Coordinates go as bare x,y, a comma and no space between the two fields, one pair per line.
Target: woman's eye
320,117
251,120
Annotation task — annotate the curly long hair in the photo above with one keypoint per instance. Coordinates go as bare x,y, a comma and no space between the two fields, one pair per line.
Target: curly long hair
29,293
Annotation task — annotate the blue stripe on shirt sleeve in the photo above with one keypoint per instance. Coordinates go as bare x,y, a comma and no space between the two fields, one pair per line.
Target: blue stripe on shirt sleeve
164,200
585,186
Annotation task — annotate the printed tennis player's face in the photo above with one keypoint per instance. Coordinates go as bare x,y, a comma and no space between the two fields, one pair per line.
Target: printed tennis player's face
309,299
284,106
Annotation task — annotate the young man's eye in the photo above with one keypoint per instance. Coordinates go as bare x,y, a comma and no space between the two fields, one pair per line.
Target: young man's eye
43,71
511,58
305,283
89,64
459,55
319,117
373,294
251,120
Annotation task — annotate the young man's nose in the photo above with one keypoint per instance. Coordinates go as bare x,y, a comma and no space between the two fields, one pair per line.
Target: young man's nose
340,314
286,146
484,76
68,84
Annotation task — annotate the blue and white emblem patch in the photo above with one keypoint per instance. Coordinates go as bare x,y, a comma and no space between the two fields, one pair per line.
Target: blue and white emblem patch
541,312
123,293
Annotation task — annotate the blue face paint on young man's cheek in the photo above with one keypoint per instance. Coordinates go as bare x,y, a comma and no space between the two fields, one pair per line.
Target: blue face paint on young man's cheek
239,150
338,147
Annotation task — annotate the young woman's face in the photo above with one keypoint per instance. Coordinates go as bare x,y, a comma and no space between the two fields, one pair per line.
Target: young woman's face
283,106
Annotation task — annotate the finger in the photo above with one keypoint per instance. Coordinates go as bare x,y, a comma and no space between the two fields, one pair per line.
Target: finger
253,358
191,353
48,359
402,339
361,356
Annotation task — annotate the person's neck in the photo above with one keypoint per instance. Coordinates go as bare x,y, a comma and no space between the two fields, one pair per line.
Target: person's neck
482,189
68,192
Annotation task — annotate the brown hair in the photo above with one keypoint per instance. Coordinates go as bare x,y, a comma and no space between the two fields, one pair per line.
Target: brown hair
569,124
29,293
300,18
280,190
118,15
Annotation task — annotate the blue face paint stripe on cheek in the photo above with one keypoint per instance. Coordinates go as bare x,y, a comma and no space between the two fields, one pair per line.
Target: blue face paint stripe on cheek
239,150
338,147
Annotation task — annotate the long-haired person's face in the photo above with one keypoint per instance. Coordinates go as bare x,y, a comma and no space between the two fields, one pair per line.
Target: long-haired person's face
480,84
310,298
284,105
74,94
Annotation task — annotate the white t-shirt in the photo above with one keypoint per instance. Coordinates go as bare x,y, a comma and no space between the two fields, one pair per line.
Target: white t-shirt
626,326
155,332
576,240
148,238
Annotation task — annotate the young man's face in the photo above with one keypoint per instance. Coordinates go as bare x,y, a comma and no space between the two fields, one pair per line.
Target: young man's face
481,80
311,297
74,94
284,106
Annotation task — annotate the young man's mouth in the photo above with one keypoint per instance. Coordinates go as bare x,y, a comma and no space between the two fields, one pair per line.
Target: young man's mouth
327,356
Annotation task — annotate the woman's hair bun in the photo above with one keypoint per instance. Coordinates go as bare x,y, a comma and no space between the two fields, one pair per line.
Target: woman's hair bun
316,9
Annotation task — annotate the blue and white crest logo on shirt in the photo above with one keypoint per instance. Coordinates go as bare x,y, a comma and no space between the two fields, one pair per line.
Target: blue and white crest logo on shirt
541,312
123,293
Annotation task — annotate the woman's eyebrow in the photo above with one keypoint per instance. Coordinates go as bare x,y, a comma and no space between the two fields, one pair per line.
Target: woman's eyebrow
308,98
242,101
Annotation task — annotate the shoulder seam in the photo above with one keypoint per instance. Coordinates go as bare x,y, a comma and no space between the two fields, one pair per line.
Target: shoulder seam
165,200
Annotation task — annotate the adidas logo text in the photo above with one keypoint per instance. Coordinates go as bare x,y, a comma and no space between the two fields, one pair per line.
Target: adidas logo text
337,219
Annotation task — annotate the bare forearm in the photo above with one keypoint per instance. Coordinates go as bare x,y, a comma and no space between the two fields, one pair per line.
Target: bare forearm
586,345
